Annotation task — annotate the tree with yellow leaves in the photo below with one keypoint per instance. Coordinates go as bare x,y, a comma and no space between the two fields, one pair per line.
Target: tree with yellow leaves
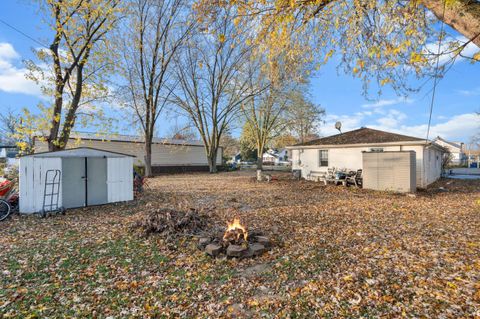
380,42
74,67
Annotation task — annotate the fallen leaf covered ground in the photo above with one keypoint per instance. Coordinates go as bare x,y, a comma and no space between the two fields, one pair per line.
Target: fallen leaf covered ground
338,252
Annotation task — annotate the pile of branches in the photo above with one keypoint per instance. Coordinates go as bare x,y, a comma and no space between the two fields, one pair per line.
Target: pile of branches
170,222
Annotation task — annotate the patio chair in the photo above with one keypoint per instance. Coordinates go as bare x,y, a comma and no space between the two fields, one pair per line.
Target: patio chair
317,176
354,178
331,175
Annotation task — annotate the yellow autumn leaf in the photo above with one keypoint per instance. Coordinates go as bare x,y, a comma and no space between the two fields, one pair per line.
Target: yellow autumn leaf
385,81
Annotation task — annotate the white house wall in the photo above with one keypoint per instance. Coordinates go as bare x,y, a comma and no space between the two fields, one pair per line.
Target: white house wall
162,154
120,179
32,182
350,158
432,165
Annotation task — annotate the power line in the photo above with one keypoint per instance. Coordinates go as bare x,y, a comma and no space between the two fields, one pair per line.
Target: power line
435,81
23,33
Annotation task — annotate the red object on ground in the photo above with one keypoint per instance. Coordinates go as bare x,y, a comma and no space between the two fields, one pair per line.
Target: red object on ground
5,187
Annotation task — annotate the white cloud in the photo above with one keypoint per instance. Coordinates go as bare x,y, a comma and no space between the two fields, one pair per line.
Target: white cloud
392,119
449,46
471,92
459,127
348,123
7,52
12,77
387,102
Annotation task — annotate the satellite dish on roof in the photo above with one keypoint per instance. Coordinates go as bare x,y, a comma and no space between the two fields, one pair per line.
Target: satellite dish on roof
338,126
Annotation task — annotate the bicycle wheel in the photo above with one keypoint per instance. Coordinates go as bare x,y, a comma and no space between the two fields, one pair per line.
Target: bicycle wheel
4,209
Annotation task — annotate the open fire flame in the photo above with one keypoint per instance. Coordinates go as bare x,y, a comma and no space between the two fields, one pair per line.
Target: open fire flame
235,231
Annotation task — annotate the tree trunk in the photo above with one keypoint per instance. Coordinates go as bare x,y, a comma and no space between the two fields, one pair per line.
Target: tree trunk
212,161
461,15
148,157
259,163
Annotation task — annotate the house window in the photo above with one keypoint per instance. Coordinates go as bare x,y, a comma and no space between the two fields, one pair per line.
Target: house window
323,158
376,149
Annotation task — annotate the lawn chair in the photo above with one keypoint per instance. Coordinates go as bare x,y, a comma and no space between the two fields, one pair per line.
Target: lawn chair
331,175
354,178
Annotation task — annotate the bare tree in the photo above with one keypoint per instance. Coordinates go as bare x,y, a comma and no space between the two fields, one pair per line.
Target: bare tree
150,39
304,116
182,132
211,79
265,117
9,122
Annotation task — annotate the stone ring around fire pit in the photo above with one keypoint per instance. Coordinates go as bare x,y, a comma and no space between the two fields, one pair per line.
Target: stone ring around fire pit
235,242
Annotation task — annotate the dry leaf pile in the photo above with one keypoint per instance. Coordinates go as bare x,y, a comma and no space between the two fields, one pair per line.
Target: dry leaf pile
170,223
339,253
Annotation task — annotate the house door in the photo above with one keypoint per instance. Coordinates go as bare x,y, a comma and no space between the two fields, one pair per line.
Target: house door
73,186
96,181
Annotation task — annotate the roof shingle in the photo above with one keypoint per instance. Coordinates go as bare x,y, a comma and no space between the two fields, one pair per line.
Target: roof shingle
361,136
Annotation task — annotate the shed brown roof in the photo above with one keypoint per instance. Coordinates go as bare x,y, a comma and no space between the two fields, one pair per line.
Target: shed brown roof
362,136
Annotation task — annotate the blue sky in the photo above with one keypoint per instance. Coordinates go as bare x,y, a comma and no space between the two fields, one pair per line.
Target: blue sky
458,94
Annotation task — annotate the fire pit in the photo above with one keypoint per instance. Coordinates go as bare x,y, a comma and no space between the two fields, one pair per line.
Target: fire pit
235,242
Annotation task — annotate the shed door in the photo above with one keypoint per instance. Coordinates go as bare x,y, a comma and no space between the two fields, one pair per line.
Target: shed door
120,179
97,181
73,185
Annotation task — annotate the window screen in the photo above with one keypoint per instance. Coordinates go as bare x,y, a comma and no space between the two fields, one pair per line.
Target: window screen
323,158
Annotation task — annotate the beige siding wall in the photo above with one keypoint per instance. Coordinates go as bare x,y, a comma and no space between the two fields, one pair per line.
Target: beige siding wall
350,158
393,171
162,154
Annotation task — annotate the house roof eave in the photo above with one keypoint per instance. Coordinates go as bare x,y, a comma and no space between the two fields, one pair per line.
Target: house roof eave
411,143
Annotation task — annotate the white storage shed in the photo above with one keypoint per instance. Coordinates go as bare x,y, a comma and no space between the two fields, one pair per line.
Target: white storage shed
78,177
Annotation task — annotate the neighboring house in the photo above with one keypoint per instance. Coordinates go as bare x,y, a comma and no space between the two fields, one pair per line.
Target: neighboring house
168,155
473,158
457,149
8,151
344,151
276,157
8,154
237,158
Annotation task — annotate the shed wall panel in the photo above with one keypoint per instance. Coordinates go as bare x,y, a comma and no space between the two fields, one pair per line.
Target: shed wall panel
41,166
32,182
26,185
120,179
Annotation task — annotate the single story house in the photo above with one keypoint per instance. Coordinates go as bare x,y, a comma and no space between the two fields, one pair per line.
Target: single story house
344,151
168,155
457,149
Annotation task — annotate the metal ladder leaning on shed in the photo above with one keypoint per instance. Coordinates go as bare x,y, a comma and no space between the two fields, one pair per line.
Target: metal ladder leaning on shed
52,184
